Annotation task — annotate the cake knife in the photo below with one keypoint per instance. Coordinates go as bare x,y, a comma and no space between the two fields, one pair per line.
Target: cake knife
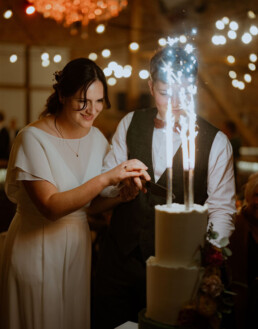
156,189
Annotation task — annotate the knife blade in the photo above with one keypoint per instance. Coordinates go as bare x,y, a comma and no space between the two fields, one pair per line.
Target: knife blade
156,189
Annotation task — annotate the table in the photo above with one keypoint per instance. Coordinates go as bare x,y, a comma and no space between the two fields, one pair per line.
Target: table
128,325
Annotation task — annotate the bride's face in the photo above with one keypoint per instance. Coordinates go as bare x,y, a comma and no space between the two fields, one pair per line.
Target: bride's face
83,111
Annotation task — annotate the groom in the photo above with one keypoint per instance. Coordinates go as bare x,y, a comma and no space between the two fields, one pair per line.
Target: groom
120,288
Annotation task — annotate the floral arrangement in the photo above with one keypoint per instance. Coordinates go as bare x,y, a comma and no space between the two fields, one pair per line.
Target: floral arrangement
212,300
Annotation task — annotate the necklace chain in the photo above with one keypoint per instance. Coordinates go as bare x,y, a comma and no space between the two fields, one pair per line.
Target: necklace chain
60,133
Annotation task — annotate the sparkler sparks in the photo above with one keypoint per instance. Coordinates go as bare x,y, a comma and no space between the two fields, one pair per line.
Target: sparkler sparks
180,68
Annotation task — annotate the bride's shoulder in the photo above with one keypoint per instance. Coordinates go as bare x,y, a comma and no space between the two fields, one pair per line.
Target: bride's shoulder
46,124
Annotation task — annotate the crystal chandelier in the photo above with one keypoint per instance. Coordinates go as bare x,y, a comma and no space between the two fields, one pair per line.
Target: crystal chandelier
71,11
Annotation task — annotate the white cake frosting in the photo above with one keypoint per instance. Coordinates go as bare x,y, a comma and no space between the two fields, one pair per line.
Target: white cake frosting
174,273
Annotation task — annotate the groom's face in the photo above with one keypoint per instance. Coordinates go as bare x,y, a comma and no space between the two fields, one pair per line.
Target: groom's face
161,92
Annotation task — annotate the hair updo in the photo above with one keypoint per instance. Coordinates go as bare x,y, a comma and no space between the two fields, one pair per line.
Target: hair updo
78,74
57,75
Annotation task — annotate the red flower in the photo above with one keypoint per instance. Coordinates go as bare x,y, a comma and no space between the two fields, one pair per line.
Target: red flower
213,256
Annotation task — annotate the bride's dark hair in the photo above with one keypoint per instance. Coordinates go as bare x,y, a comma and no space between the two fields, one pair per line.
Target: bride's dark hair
78,74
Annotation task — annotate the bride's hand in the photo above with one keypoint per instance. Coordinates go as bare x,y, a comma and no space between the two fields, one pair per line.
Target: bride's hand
128,169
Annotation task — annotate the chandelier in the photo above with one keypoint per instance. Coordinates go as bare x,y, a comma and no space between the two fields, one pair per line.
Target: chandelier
84,11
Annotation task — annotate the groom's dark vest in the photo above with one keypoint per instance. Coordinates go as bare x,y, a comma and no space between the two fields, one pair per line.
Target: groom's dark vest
132,223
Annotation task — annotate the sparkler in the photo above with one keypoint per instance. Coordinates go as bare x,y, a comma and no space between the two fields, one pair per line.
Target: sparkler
169,149
181,81
171,79
188,135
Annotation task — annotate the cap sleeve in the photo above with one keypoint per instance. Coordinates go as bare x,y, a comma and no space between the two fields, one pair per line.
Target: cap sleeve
28,155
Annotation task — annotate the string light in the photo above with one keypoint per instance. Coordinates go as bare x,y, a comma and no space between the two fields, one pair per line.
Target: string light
232,74
106,53
253,30
253,57
144,74
128,67
218,40
225,20
231,59
251,14
112,65
111,81
233,25
57,58
241,85
8,14
100,28
162,42
134,46
252,67
107,71
93,56
118,70
246,38
44,56
45,63
13,58
232,34
118,73
220,25
127,71
45,59
247,77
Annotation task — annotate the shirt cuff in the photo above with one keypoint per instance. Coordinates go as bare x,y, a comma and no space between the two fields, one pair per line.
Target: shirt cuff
110,192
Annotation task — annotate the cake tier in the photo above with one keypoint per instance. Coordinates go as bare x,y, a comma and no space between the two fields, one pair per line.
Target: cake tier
169,289
179,233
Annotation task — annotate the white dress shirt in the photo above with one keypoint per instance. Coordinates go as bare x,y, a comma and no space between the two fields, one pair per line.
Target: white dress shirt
220,183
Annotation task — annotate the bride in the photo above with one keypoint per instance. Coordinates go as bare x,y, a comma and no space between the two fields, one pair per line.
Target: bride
53,174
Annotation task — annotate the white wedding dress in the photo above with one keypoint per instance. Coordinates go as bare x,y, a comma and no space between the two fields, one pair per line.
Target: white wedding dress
46,264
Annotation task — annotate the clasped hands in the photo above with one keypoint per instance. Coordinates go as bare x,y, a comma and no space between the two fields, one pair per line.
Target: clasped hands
130,187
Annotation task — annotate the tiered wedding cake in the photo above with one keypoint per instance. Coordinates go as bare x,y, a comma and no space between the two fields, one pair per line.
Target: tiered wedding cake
174,274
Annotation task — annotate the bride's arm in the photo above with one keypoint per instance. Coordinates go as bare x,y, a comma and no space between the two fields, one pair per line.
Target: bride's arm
54,204
128,191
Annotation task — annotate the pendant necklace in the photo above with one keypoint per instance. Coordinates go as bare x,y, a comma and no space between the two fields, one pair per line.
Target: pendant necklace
60,133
